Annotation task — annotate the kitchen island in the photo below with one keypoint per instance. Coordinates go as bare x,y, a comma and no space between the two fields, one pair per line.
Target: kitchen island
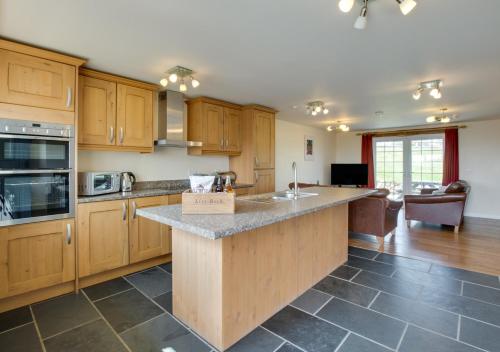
233,272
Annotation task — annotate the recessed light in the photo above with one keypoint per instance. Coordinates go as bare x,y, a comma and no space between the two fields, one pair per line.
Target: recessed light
379,114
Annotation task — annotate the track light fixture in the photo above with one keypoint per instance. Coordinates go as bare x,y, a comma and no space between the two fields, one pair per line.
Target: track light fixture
406,6
443,118
434,88
339,127
182,74
316,107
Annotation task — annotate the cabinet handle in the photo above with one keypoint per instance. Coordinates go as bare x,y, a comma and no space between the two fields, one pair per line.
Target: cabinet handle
256,177
256,161
134,210
227,142
111,134
121,135
68,234
124,211
222,142
69,97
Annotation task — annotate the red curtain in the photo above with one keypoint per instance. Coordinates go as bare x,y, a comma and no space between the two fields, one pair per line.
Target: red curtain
367,157
450,167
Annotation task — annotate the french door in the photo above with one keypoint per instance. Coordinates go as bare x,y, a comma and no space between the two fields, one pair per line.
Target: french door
405,165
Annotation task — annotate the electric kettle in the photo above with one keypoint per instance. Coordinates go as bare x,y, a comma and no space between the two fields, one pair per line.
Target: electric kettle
128,180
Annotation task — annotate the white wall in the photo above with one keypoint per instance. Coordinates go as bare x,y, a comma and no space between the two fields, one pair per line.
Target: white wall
290,147
479,163
163,164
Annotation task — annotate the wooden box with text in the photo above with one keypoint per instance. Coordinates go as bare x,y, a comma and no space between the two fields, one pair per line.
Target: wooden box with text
208,203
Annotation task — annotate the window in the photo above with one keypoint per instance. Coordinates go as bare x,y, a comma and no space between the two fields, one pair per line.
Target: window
404,165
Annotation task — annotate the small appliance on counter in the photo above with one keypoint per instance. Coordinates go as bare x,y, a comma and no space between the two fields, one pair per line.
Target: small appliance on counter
128,180
96,183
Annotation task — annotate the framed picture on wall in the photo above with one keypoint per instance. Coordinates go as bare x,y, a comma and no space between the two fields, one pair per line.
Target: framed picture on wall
308,148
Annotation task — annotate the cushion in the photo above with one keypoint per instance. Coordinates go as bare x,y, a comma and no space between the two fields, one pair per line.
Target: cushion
455,187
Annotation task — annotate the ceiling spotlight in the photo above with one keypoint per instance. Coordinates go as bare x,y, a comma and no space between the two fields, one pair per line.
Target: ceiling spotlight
316,107
361,20
183,86
329,128
314,113
325,111
443,118
346,5
417,94
379,114
173,77
195,83
446,119
434,88
164,82
406,6
430,119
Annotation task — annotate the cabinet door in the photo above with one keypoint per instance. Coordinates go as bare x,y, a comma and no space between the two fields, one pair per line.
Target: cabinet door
148,238
213,127
264,140
96,111
102,236
232,119
264,181
134,116
32,81
35,256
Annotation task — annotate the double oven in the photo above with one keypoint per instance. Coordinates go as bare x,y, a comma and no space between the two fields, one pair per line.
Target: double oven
37,173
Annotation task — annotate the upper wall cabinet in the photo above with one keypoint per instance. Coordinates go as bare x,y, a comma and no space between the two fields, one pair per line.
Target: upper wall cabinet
37,84
115,113
216,124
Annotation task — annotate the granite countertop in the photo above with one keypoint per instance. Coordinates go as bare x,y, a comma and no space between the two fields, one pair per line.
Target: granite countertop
251,214
149,189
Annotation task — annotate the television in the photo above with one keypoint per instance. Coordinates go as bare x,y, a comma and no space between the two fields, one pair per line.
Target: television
349,174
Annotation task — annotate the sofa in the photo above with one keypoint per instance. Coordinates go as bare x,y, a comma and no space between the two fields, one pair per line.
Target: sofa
436,206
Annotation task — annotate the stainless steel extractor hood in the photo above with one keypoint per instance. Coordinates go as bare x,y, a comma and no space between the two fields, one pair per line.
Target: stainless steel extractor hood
172,121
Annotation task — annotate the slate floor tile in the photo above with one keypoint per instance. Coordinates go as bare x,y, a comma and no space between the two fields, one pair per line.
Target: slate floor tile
310,301
152,282
288,347
346,290
462,305
479,334
370,265
355,343
370,324
361,252
165,301
305,330
15,317
127,309
438,282
461,274
418,340
95,336
63,313
167,267
388,284
345,272
107,288
404,262
482,293
417,313
21,339
259,340
160,333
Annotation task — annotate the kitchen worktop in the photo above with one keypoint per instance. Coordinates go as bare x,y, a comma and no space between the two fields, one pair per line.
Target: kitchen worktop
149,189
252,213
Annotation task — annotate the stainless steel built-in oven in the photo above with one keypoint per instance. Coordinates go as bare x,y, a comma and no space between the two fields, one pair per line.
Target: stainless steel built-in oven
37,176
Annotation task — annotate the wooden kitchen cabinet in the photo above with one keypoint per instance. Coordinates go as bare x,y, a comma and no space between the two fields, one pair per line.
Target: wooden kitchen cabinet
97,111
147,238
115,113
216,124
264,139
35,256
103,241
264,181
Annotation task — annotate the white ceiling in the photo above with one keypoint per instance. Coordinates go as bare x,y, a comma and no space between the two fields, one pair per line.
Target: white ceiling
283,53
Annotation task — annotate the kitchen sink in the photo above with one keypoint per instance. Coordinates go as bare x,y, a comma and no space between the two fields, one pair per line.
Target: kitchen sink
290,195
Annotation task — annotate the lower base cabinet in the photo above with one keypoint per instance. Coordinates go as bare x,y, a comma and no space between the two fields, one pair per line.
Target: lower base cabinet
35,256
264,181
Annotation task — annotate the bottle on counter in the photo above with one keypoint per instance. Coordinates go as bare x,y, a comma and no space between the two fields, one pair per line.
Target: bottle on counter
218,187
227,187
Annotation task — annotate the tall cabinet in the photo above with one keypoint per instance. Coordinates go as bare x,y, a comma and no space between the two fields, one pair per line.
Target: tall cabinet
255,164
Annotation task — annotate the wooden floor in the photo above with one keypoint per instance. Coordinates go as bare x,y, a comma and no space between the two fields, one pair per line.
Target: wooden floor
476,247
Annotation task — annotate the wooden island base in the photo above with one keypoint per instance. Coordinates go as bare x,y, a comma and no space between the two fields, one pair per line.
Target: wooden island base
223,289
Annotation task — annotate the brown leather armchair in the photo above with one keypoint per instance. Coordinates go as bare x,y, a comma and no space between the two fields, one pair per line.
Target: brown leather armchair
374,215
446,207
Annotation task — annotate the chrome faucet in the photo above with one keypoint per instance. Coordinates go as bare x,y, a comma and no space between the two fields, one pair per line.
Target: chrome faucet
296,184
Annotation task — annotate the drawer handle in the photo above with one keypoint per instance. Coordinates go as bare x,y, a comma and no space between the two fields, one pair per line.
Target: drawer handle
134,210
121,135
222,142
124,211
111,134
69,97
68,234
227,142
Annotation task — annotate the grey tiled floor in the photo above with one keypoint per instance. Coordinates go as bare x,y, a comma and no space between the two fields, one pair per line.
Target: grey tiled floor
375,303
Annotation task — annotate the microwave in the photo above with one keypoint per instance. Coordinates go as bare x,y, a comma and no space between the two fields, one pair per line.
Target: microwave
96,183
